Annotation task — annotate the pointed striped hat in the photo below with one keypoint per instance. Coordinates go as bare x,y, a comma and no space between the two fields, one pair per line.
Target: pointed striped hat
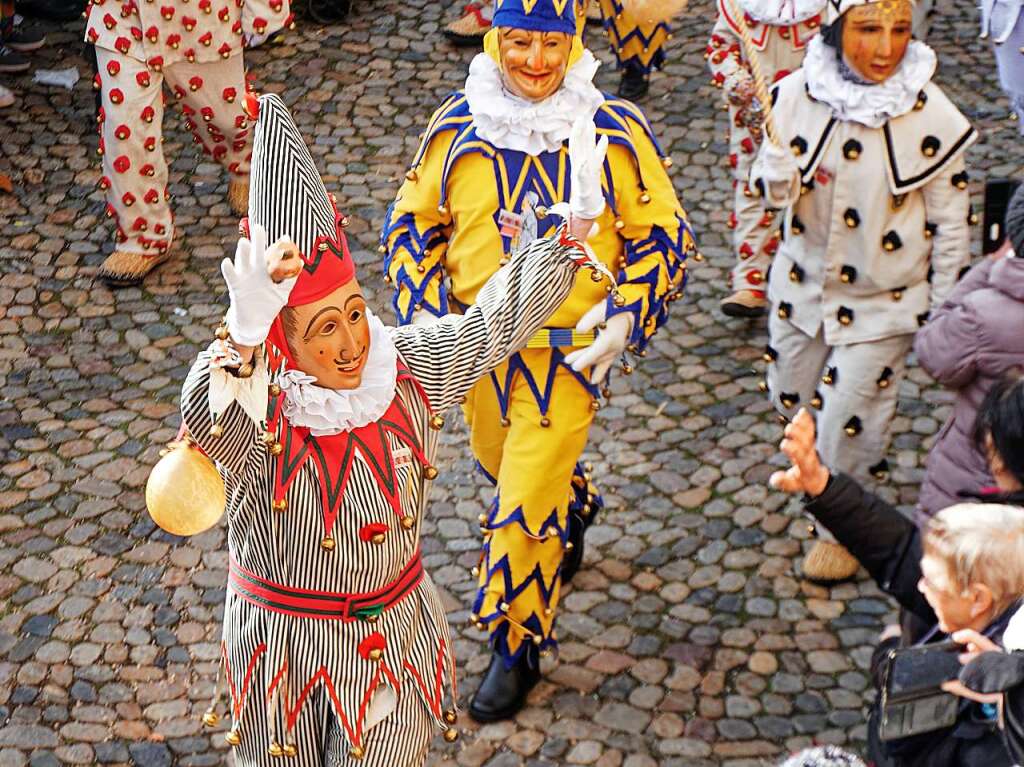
836,8
288,198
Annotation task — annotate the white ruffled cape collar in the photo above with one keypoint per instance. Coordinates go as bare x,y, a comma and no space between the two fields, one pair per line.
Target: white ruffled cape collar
331,411
782,12
870,105
510,122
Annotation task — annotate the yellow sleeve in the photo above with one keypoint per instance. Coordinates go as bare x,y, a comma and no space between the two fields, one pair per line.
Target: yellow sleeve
416,234
657,236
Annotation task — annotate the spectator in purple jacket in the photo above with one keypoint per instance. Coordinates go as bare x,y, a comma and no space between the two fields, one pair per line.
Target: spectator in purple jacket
972,340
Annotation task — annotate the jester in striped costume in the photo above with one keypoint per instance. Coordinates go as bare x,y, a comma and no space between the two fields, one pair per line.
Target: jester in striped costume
492,164
324,424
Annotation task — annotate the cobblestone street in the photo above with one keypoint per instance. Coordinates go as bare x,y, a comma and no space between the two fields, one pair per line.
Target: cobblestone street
688,639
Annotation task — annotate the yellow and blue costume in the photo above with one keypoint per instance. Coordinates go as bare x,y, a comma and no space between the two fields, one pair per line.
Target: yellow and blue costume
634,42
465,206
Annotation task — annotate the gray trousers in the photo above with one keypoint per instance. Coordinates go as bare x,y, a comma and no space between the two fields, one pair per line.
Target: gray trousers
851,390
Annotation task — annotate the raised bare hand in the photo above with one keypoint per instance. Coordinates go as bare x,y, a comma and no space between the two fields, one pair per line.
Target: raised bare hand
806,475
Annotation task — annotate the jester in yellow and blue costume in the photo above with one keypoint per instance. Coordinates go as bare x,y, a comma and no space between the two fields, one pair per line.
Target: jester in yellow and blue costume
492,163
638,31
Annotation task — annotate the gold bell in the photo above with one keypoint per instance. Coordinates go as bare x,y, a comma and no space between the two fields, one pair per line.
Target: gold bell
451,735
450,717
378,538
375,654
436,423
506,422
268,438
666,161
281,504
619,300
357,752
290,750
275,390
233,737
210,718
412,175
276,449
327,544
645,198
545,422
430,472
275,750
408,522
216,431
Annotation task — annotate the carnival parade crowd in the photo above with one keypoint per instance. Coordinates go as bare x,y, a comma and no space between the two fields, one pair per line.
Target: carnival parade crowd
532,251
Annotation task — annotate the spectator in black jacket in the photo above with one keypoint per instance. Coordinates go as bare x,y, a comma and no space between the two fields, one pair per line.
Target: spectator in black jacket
965,571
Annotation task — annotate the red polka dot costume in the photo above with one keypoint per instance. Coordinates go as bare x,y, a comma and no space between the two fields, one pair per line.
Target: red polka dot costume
194,47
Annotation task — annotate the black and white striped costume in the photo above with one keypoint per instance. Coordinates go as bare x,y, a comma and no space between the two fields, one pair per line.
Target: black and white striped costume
306,683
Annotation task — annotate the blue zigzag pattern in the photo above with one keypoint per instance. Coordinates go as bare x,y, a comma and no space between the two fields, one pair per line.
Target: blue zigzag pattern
499,634
417,245
673,252
542,394
620,40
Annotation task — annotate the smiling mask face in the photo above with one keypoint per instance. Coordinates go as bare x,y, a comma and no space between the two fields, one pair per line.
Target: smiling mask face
330,338
533,63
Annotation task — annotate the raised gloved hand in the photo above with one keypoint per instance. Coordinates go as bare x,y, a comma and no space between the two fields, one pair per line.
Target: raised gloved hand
607,347
778,173
256,299
586,199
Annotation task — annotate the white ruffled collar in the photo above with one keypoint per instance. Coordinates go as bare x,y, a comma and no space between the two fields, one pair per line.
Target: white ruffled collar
870,105
331,411
782,12
510,122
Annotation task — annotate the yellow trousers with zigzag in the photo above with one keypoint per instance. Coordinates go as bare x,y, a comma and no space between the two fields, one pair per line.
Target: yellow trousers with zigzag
533,465
633,42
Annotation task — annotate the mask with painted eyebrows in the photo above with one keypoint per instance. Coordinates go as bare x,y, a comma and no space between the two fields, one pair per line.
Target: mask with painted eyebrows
330,339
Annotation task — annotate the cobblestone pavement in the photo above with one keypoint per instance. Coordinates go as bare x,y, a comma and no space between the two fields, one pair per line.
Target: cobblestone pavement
689,638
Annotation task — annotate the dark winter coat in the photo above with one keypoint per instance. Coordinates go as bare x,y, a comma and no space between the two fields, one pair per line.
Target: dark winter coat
889,546
970,342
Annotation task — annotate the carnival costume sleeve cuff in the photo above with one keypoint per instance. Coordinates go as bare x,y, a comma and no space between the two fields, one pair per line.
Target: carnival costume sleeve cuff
251,393
776,175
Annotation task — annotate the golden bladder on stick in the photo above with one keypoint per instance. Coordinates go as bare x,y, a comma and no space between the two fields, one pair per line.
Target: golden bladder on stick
185,492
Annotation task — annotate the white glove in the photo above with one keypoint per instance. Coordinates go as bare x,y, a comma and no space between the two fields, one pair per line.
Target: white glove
256,299
779,172
607,347
586,159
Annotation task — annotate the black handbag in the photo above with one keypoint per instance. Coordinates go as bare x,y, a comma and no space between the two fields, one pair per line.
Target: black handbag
912,700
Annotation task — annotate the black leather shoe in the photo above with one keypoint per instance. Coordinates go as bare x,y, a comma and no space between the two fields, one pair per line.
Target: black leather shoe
635,83
52,10
574,557
503,692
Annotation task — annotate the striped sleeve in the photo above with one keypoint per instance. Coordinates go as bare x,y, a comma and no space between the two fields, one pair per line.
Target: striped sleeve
239,432
447,357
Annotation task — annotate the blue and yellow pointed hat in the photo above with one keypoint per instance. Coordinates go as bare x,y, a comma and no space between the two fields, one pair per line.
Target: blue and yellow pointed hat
566,16
536,15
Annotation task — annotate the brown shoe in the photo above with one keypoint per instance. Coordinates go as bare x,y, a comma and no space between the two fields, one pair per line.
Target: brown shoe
828,562
238,196
745,303
127,270
470,29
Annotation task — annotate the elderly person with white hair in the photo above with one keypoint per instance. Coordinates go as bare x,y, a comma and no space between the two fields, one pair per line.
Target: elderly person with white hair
963,573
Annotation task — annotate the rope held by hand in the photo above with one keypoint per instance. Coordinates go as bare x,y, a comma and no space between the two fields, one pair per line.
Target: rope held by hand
753,57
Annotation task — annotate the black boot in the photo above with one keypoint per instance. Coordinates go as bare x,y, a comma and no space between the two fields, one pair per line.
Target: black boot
574,557
502,693
635,82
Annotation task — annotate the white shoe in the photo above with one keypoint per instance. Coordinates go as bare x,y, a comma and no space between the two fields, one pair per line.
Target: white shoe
6,97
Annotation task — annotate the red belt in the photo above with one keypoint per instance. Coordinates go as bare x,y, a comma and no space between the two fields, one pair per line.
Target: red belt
325,605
